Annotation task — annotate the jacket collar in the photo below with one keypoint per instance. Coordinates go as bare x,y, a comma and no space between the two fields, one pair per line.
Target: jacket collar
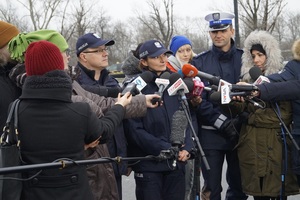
54,85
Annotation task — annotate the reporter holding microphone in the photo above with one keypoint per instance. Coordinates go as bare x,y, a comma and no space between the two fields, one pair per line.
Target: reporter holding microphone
52,127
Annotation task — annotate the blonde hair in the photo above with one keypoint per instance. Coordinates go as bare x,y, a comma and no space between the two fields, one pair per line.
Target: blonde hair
296,49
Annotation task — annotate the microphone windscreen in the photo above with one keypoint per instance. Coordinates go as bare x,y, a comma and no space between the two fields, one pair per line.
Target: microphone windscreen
165,75
178,127
215,97
189,70
174,77
147,76
255,72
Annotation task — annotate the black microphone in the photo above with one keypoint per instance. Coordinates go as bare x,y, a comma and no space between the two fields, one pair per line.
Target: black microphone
250,87
138,84
255,72
217,96
103,90
257,75
162,83
178,127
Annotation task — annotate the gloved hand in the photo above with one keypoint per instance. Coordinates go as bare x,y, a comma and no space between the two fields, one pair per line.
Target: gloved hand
230,128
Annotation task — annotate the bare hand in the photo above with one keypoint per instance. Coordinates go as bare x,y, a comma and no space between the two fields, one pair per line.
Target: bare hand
196,100
149,98
125,99
183,155
91,145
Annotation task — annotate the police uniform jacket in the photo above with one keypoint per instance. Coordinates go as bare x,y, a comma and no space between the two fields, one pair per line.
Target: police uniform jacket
150,135
52,127
226,65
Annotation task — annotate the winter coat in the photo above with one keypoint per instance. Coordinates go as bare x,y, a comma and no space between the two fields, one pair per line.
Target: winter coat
116,144
226,65
260,144
49,130
106,189
130,67
150,135
9,92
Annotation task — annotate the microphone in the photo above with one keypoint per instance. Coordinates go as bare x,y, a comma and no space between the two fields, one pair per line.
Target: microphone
161,83
257,75
198,86
178,127
138,84
225,97
250,87
191,71
178,86
143,79
255,72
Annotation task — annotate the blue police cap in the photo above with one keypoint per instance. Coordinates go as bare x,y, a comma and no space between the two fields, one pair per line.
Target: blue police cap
219,20
152,48
91,40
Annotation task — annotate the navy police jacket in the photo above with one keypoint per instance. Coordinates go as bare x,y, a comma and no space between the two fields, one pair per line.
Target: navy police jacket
227,66
150,135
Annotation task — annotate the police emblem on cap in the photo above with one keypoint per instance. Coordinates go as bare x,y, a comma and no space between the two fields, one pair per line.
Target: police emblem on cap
157,44
219,20
96,36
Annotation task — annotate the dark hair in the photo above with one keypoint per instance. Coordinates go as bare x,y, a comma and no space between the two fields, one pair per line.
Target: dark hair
258,47
136,51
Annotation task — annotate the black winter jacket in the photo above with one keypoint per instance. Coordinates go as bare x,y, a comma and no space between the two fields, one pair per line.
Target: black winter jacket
51,127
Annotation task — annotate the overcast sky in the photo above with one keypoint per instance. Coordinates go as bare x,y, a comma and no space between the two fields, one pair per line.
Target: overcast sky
122,9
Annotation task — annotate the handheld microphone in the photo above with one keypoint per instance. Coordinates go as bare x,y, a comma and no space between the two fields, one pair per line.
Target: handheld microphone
255,72
138,84
178,86
191,71
162,83
198,86
257,75
143,79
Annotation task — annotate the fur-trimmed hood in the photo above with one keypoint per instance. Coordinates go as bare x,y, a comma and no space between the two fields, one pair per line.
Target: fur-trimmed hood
296,50
271,46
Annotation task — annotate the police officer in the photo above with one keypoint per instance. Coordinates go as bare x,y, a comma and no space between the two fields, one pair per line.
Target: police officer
217,132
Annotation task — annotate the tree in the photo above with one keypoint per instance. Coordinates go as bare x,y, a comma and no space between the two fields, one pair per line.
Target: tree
260,14
159,26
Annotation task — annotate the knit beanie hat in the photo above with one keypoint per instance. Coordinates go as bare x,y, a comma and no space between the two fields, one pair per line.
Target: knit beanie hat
42,57
18,45
7,32
177,42
258,47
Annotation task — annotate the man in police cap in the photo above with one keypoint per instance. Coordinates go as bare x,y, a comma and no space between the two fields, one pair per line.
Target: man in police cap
217,132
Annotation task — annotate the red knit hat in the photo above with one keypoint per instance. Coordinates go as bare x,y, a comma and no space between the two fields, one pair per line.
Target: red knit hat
42,57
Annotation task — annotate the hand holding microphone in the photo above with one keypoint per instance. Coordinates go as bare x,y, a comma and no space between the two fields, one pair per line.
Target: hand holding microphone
162,83
138,84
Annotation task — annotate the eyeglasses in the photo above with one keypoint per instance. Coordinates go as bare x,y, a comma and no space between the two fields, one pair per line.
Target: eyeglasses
97,51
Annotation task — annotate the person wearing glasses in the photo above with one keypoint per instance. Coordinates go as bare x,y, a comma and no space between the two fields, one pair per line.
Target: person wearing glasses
92,53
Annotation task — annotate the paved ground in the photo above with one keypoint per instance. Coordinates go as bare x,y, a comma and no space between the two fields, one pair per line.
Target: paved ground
129,187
